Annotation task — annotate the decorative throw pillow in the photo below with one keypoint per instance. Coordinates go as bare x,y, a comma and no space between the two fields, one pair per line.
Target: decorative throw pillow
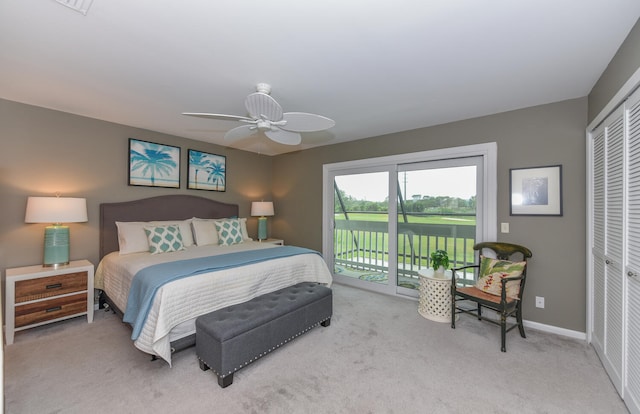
492,271
163,239
185,229
229,232
133,239
205,231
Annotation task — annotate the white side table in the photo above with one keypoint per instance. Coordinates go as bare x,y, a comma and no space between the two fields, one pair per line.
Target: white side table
435,295
37,295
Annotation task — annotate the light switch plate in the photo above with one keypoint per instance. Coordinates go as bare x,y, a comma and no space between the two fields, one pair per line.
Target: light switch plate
504,227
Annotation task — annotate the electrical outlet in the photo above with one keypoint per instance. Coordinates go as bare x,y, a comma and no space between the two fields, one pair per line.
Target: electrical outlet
504,227
539,302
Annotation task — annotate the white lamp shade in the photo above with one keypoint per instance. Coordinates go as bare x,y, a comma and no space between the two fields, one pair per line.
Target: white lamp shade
56,210
262,208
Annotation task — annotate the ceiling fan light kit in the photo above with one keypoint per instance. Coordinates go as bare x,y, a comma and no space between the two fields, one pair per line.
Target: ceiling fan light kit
266,115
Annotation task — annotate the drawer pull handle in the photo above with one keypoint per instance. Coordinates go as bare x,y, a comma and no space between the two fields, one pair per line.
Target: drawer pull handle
57,308
54,286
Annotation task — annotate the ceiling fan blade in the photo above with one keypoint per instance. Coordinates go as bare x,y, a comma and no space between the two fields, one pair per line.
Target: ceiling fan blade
283,137
261,105
218,116
240,132
303,122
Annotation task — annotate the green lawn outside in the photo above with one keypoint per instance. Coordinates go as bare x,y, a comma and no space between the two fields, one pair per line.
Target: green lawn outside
462,220
374,246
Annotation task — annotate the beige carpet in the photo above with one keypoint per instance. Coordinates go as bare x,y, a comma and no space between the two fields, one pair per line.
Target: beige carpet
378,356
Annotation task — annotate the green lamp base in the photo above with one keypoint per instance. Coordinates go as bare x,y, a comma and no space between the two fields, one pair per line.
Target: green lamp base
56,246
262,228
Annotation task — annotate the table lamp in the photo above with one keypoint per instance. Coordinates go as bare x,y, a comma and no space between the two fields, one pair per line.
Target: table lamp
56,210
262,209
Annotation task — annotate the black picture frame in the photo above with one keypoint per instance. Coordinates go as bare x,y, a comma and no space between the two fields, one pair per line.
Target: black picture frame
206,171
153,165
536,191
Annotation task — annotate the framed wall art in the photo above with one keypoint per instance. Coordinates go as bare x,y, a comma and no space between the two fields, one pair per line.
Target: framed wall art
536,191
207,171
153,165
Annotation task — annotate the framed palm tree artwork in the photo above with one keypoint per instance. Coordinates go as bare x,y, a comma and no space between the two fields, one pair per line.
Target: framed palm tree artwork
153,165
207,171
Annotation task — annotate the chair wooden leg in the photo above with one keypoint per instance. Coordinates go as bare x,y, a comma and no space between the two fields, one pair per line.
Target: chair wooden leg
520,324
503,331
453,312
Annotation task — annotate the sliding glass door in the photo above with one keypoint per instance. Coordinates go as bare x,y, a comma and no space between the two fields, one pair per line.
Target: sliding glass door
383,219
361,228
437,210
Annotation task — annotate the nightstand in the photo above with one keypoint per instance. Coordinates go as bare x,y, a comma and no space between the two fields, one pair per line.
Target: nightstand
279,242
38,295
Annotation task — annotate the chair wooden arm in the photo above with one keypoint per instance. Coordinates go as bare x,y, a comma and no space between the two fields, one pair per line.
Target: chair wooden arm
462,268
454,278
503,288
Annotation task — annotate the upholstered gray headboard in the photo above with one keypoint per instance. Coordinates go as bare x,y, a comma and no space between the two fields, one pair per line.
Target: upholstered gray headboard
169,207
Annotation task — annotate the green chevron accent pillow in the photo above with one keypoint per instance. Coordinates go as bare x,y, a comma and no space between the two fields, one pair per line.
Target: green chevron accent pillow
163,239
229,232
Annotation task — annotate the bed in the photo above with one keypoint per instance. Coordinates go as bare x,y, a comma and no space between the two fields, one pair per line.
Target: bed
205,272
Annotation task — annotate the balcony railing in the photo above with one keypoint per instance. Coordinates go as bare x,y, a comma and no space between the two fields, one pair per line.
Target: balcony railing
364,245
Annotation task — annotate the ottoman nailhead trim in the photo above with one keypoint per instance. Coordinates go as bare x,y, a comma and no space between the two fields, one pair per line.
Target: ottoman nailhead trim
221,375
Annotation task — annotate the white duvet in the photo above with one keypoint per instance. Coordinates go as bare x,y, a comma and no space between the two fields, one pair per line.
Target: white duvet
178,303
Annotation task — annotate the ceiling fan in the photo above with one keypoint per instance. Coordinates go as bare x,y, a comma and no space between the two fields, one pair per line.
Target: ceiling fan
266,115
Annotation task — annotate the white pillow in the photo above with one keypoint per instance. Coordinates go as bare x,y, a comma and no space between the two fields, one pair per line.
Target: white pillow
205,232
133,239
243,228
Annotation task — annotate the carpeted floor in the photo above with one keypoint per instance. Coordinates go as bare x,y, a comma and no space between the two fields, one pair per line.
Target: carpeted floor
378,356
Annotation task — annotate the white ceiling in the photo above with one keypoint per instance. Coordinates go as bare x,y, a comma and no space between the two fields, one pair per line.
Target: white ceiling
374,67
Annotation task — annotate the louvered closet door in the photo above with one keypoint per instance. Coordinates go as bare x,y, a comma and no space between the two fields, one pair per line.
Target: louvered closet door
632,267
598,231
613,246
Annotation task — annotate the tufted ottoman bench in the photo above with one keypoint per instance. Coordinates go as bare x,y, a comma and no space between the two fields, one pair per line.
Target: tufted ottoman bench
230,338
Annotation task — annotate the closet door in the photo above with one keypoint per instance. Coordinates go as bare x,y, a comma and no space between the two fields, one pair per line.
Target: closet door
632,265
613,247
607,244
598,231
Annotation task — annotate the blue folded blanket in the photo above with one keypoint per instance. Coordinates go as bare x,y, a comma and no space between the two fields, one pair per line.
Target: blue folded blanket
147,281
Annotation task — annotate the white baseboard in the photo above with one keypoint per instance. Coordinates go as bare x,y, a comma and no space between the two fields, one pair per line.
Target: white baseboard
494,315
555,330
540,326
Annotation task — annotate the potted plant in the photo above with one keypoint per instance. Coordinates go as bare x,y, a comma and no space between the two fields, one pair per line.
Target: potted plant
440,262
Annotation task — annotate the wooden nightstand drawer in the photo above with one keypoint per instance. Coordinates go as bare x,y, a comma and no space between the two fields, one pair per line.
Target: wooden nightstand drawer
47,310
27,290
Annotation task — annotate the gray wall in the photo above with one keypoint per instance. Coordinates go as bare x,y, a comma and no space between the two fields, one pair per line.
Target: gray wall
43,152
543,135
624,64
